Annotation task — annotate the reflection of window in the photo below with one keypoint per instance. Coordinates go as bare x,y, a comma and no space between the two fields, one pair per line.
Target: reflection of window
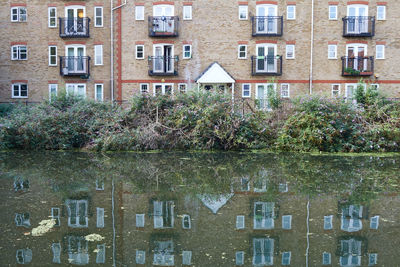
287,222
264,215
20,184
374,223
99,184
372,259
56,249
163,214
101,253
286,258
350,252
283,187
187,12
186,223
55,215
78,250
100,218
351,218
245,184
326,258
328,222
163,253
263,251
77,213
140,257
139,220
239,258
24,256
22,219
186,257
240,222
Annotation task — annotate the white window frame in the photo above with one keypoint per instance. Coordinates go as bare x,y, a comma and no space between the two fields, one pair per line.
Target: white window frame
50,55
245,51
26,255
245,9
19,8
329,261
187,12
383,51
163,86
334,50
335,7
294,51
266,222
328,222
294,12
186,257
18,48
50,17
102,94
53,86
99,181
140,220
283,187
286,258
140,257
101,253
141,88
384,12
184,51
186,216
374,221
243,90
77,202
96,17
19,90
139,12
136,51
332,89
354,224
179,87
56,216
98,55
263,252
288,90
240,222
287,222
100,217
239,258
76,85
56,249
158,219
20,219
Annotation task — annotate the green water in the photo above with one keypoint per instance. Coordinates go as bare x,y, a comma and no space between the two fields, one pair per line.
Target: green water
199,209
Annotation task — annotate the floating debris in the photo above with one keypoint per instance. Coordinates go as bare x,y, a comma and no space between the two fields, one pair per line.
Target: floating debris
94,237
44,227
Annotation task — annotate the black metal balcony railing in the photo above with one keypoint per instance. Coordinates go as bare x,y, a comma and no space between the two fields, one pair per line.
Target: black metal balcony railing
361,26
267,26
163,66
74,27
75,66
268,65
163,26
357,66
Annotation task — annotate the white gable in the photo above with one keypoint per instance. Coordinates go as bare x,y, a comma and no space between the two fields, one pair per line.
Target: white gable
215,74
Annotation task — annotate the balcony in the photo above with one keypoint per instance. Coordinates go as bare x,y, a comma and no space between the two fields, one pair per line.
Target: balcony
357,66
74,27
358,26
163,66
75,66
163,26
266,65
267,26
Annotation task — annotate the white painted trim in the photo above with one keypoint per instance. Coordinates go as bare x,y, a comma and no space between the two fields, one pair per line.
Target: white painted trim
336,12
249,84
245,51
139,13
95,17
56,87
183,51
52,65
136,51
19,90
332,45
294,12
102,93
49,17
246,7
190,12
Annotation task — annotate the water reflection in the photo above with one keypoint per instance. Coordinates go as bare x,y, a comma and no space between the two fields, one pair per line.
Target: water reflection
177,209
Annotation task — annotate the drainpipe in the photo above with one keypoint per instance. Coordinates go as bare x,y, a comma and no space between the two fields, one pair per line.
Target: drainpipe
312,47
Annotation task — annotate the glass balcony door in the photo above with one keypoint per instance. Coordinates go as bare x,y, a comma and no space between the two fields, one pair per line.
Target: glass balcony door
163,59
266,58
357,19
356,57
75,59
266,19
163,20
75,23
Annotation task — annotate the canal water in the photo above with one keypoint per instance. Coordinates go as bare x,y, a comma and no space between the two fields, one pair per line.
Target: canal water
199,209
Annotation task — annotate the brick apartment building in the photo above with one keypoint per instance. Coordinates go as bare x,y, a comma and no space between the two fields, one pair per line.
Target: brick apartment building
161,47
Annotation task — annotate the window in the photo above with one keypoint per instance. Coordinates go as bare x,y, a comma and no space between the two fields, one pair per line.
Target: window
372,259
381,13
332,51
56,249
240,258
186,257
187,12
139,51
140,257
77,212
380,52
187,51
19,52
374,222
285,90
98,55
101,253
182,87
100,218
140,220
242,51
186,222
263,251
328,222
55,215
335,90
290,51
144,88
76,89
283,187
245,184
99,184
333,12
243,12
98,16
264,213
286,258
351,218
22,219
291,12
78,253
21,184
19,90
287,222
99,95
163,214
164,253
52,91
18,14
350,251
24,256
326,258
139,12
52,55
240,222
246,90
52,12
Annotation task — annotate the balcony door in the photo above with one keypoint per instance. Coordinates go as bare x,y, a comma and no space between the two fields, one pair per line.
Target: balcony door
266,19
163,58
262,95
357,19
266,58
75,23
163,20
356,57
75,58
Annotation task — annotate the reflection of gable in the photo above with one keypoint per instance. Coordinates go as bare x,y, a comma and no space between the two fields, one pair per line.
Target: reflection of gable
214,202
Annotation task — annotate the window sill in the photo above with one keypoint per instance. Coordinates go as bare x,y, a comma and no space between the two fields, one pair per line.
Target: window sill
21,97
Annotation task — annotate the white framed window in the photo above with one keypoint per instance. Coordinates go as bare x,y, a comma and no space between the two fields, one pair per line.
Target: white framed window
52,55
76,89
264,214
285,90
290,51
77,212
52,13
240,222
332,51
335,90
351,218
291,12
381,12
78,253
239,258
164,253
287,222
140,220
144,88
24,256
139,12
326,258
286,256
139,51
21,184
374,222
19,90
98,55
243,12
333,12
263,251
186,257
56,249
246,90
98,16
242,51
187,12
351,252
372,259
328,225
19,52
186,222
55,215
140,257
380,51
101,253
163,89
18,14
187,51
182,88
163,214
99,96
100,218
22,219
